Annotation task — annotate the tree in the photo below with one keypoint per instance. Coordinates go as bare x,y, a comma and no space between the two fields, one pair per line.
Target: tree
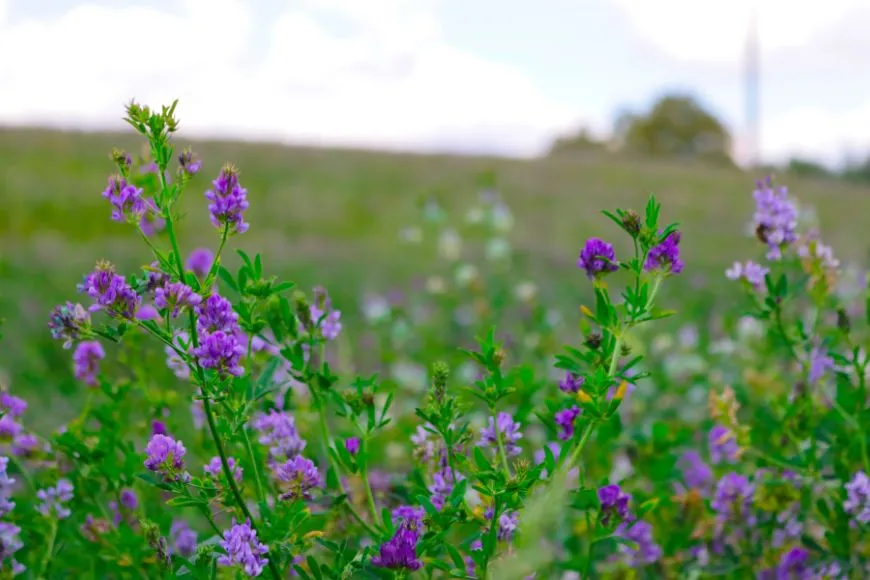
676,126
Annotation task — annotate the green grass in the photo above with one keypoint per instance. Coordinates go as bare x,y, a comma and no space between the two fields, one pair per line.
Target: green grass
333,216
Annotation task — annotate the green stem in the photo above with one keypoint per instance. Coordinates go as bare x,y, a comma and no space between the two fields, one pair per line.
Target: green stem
206,403
501,450
359,519
46,558
217,257
24,473
587,573
580,445
255,463
370,497
170,231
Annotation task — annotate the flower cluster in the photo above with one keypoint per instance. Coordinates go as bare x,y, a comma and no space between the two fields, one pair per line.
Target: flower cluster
228,201
219,334
243,549
165,456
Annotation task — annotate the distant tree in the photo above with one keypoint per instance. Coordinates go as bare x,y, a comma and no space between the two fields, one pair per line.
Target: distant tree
807,168
676,126
582,141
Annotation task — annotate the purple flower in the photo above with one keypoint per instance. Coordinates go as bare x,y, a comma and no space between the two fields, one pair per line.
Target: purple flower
277,429
857,502
6,485
189,163
324,316
299,476
571,383
216,313
751,272
228,201
151,221
665,256
776,217
126,200
423,443
352,445
613,501
68,322
647,551
407,513
792,566
820,363
200,262
13,405
732,501
166,457
443,482
507,525
53,499
565,420
158,427
597,258
696,473
176,296
215,468
25,445
86,360
400,551
129,499
503,427
9,428
723,445
111,292
183,539
222,352
10,542
244,549
147,312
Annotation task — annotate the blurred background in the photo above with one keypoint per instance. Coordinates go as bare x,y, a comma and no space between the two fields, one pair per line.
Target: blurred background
371,133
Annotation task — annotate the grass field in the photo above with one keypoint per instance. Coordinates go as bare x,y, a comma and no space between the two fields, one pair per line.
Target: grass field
332,217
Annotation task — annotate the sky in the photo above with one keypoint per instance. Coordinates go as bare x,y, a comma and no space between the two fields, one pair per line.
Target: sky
498,77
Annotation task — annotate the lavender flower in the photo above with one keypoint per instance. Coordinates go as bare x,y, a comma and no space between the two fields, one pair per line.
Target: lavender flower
696,473
751,272
12,405
572,383
723,445
200,262
614,502
53,499
647,552
857,502
278,430
68,322
189,163
228,201
665,256
222,352
10,542
597,258
126,200
299,476
166,457
111,292
820,363
400,551
776,218
565,420
183,539
215,468
176,296
6,485
507,429
324,316
244,549
86,359
352,445
443,482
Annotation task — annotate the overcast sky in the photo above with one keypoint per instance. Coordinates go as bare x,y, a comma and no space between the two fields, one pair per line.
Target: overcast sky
496,76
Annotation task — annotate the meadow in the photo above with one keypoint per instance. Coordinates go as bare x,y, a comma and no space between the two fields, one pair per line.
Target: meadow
409,366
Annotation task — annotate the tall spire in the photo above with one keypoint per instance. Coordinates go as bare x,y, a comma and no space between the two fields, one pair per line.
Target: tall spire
753,80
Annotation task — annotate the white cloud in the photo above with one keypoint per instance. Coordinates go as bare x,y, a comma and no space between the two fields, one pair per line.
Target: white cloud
387,80
815,133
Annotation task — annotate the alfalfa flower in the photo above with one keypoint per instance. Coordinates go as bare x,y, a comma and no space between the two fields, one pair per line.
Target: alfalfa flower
228,201
665,256
126,199
68,322
565,420
214,468
751,273
86,359
571,383
723,445
53,500
614,504
10,542
647,551
597,258
857,502
277,429
189,163
200,262
400,551
183,539
165,456
243,549
324,316
298,477
6,488
501,428
221,352
175,296
110,292
776,218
